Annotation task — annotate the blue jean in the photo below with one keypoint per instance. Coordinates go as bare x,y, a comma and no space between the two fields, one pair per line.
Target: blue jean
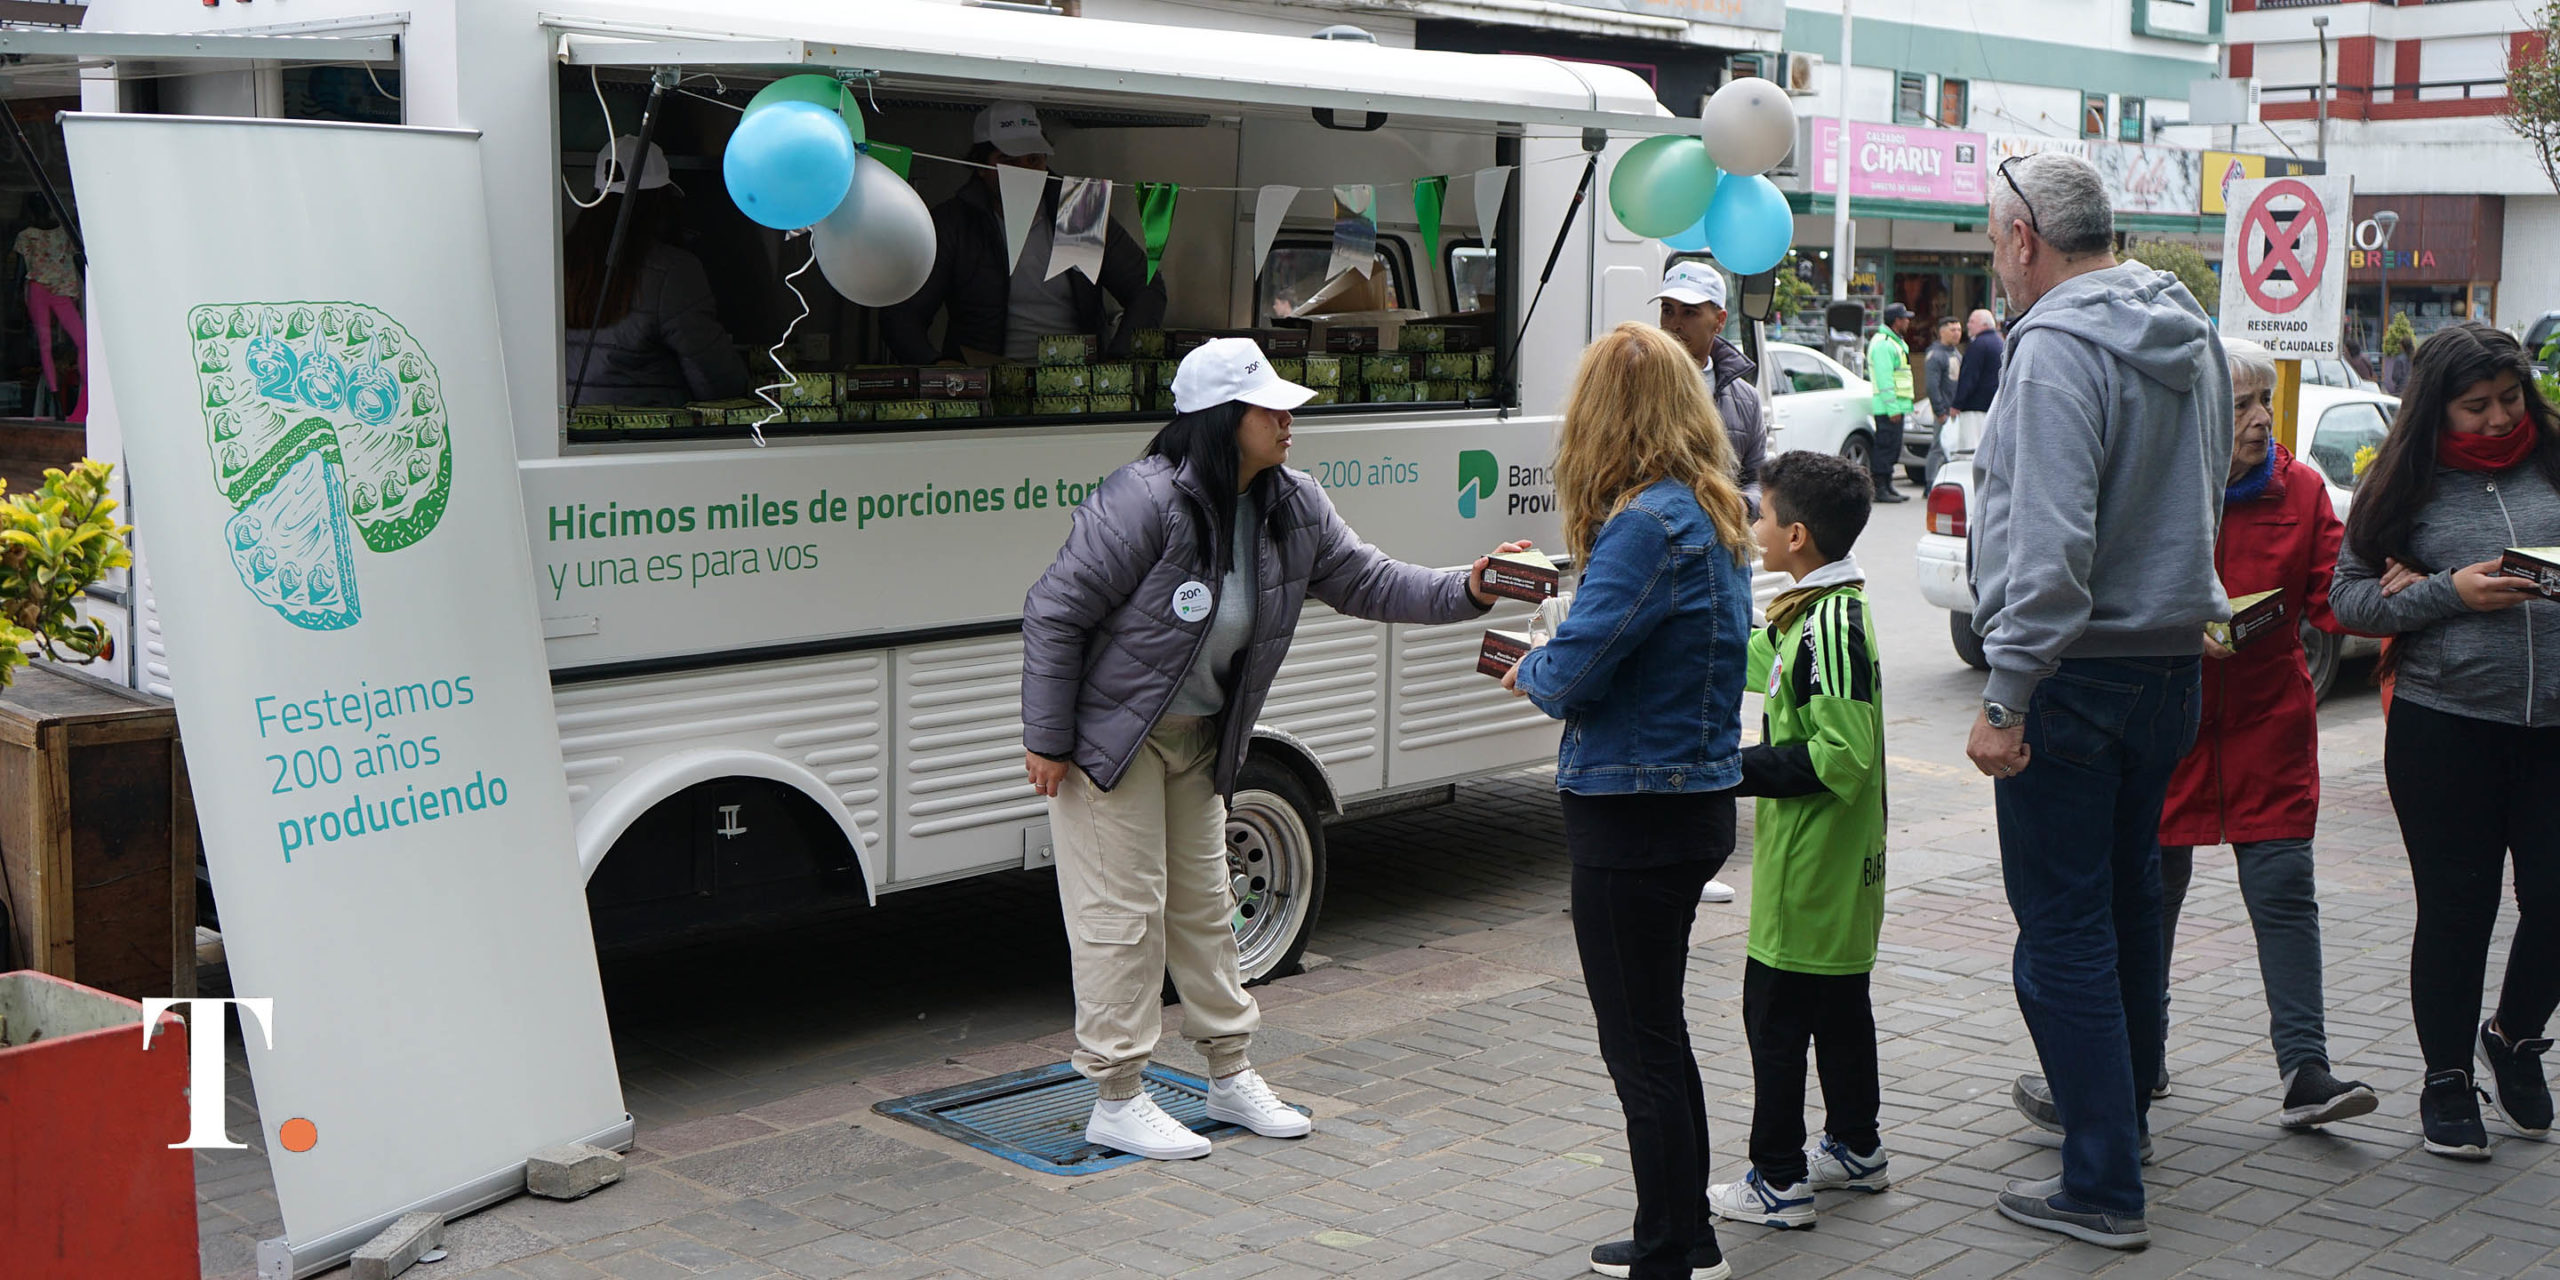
2080,851
2276,881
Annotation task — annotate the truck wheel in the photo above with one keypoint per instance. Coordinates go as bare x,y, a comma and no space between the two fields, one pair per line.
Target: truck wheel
1968,645
1275,858
2320,654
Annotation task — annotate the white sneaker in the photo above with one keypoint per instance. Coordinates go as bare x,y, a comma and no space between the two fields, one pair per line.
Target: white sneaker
1141,1128
1244,1099
1716,891
1752,1200
1831,1166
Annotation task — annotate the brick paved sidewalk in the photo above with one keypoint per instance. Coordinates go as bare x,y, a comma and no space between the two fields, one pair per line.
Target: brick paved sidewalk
1466,1127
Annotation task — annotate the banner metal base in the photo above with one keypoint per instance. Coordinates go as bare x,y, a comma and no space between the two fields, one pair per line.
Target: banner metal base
279,1259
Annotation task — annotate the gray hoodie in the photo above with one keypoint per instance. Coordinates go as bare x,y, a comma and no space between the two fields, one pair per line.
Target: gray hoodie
2099,481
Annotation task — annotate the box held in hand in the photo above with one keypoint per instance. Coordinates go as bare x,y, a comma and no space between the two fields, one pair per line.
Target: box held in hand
1502,651
2251,617
1522,575
2537,565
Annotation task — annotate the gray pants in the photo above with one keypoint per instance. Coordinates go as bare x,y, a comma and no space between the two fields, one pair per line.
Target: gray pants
2284,911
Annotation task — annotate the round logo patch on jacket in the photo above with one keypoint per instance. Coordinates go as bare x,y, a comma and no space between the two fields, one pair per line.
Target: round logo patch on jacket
1191,601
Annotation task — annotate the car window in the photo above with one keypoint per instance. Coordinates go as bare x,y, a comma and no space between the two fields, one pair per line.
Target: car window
1804,373
2344,432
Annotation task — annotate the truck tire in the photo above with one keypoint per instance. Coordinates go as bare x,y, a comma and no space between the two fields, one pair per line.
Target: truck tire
1968,645
1275,860
2320,654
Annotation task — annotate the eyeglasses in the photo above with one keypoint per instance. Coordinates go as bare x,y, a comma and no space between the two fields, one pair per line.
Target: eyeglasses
2021,193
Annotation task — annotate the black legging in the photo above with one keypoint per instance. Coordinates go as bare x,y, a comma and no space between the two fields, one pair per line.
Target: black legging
2468,792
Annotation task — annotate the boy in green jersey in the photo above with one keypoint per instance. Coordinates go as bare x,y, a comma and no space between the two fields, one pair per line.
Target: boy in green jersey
1817,851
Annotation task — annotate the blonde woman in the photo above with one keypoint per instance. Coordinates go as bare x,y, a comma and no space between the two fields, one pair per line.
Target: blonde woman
1647,673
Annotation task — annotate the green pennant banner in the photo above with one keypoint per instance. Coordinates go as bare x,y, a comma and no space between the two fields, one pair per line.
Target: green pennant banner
1155,217
1428,193
899,159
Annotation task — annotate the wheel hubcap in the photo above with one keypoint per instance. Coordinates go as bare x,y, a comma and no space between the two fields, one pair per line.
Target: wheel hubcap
1267,867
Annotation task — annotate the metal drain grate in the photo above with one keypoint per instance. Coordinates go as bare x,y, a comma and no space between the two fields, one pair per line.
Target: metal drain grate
1036,1118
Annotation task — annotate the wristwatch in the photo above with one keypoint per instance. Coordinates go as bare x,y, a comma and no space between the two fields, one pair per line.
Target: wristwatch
2000,717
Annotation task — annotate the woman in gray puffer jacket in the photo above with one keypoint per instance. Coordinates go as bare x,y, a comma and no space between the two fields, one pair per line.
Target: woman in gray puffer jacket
1147,649
2472,751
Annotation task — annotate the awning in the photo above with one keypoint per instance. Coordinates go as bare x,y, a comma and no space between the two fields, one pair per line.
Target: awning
969,48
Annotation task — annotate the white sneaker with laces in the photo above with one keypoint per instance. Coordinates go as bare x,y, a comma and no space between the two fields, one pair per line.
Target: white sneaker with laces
1141,1128
1754,1200
1244,1099
1831,1166
1716,891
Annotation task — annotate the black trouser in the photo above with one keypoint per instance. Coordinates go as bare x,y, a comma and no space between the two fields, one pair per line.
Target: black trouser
1781,1012
1631,925
1885,453
2468,792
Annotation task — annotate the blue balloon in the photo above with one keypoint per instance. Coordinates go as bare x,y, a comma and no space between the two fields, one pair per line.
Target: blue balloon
789,164
1749,225
1693,240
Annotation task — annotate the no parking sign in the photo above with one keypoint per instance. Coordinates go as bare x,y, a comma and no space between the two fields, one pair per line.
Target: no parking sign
2284,263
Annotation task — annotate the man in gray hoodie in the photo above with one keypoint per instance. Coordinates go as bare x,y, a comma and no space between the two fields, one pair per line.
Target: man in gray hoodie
2100,477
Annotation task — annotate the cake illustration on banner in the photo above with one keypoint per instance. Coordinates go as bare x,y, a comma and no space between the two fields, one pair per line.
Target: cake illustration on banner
326,426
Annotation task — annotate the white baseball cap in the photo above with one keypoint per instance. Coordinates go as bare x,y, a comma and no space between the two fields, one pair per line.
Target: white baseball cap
1014,128
1224,369
653,172
1694,283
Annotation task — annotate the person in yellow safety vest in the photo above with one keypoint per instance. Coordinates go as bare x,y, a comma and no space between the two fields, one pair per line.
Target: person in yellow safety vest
1889,368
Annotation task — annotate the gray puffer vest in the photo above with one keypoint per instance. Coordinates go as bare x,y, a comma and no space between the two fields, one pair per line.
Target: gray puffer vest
1103,652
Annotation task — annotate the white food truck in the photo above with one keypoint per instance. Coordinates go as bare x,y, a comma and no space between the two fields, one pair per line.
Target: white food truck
786,671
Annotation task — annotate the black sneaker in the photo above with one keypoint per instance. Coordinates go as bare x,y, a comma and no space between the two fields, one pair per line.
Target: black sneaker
2033,1097
2160,1087
2449,1111
2523,1097
1618,1257
2032,1204
2312,1096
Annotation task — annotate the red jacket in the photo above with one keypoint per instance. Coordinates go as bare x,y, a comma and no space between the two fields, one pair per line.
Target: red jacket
2255,771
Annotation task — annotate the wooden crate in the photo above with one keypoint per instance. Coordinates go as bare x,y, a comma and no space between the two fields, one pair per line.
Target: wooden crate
97,835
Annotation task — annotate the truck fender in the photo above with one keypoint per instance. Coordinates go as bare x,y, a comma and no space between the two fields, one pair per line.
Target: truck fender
617,809
1301,760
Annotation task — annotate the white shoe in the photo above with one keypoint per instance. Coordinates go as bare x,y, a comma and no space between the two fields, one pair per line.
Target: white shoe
1141,1128
1752,1200
1831,1166
1716,891
1244,1099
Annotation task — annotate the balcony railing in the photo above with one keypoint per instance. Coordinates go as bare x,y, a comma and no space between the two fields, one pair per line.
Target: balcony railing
2417,91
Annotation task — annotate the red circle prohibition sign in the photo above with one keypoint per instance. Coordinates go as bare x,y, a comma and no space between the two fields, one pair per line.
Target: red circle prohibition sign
2284,247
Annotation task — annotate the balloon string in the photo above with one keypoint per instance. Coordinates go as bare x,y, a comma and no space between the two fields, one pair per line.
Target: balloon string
756,428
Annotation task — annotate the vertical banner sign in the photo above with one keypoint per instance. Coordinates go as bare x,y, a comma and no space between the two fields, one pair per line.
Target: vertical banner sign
312,396
2284,263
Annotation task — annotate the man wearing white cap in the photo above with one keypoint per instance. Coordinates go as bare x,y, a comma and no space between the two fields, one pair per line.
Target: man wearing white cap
654,336
1692,301
1000,313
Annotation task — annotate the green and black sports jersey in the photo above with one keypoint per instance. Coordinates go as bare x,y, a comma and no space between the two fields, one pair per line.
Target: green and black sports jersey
1817,848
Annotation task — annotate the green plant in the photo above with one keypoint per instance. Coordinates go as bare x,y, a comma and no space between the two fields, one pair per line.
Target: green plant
1794,294
2399,339
54,543
2187,263
2550,376
2533,93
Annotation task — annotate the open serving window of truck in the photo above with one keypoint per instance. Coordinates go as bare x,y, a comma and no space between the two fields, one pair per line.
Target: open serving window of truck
786,673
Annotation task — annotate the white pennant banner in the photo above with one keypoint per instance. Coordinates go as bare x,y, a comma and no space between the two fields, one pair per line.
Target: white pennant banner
1084,219
1490,184
1021,189
1270,209
1355,230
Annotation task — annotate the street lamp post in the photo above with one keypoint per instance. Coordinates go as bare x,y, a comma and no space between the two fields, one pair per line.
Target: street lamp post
2320,27
2388,220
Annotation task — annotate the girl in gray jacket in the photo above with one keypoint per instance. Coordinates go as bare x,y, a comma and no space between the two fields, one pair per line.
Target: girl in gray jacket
1147,649
2472,754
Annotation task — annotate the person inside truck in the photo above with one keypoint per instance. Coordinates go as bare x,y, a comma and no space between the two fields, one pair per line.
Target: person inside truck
995,315
651,335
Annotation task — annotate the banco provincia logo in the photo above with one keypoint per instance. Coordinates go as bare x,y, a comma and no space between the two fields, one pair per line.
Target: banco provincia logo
1479,474
326,425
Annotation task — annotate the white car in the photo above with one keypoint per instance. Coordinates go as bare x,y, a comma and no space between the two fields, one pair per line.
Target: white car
2338,423
1816,404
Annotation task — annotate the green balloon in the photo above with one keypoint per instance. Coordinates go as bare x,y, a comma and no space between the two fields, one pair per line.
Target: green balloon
826,91
1662,186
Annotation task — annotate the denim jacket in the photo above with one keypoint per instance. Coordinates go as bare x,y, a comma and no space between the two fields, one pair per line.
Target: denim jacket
1647,670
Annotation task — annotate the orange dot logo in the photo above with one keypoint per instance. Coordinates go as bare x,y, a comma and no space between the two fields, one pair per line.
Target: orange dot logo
298,1134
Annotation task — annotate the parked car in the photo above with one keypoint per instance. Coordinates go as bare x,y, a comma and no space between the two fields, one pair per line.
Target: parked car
1815,403
2338,423
2540,336
2336,373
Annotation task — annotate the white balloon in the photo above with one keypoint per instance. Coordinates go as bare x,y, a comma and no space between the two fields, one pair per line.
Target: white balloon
1749,126
877,247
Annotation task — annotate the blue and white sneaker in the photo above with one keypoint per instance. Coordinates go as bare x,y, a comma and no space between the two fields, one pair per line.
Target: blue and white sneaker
1752,1200
1831,1166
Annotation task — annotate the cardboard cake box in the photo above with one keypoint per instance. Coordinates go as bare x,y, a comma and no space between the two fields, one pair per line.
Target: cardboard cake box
1522,575
2537,565
2251,617
1502,651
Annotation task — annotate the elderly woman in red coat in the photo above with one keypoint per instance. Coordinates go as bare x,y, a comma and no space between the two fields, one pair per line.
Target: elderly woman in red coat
2253,779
